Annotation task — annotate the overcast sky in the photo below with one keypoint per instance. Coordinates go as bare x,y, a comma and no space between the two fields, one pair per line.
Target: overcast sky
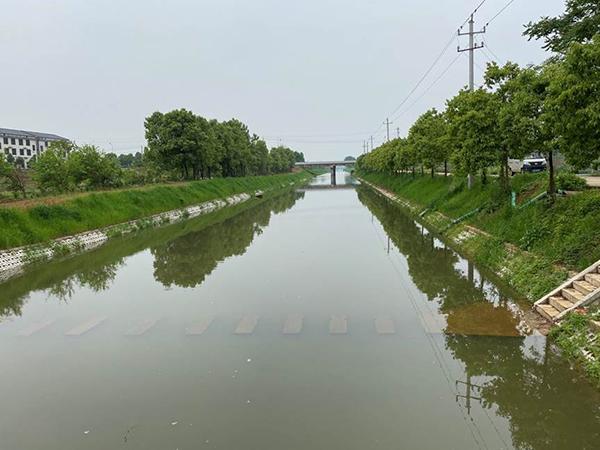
317,75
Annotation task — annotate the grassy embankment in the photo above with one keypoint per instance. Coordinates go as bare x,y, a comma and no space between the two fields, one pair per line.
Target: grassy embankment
43,222
533,247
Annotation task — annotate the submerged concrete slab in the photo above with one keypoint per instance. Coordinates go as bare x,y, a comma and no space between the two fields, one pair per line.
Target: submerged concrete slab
385,325
85,327
247,325
35,327
293,324
142,327
199,328
338,325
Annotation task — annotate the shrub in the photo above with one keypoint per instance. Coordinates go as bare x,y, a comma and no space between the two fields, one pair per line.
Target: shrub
570,182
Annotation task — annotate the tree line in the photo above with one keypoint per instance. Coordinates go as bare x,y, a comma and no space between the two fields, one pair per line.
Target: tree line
548,108
180,146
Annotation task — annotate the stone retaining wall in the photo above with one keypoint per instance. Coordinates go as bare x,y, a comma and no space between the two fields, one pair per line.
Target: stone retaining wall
14,260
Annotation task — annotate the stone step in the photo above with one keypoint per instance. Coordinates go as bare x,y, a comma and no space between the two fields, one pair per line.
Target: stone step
560,303
584,287
572,295
593,279
548,311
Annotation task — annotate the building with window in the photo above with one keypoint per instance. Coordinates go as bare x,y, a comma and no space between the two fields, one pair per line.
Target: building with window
25,144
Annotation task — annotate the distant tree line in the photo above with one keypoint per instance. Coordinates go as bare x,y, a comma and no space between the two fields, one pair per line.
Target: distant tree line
181,146
200,148
553,107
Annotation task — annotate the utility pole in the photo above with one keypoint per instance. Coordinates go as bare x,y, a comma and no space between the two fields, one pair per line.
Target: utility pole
371,142
365,147
471,49
387,124
398,132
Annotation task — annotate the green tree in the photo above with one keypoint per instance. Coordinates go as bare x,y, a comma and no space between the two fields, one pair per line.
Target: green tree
429,137
472,121
50,171
13,177
580,23
573,103
91,169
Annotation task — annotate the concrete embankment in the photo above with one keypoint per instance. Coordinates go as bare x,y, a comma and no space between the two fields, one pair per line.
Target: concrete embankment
14,260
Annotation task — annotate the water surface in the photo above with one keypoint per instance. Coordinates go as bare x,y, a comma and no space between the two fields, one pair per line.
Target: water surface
457,373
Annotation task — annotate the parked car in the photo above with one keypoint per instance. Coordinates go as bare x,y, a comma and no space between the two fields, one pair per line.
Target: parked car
533,163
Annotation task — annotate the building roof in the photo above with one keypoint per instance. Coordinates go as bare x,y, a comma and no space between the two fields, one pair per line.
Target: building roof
8,132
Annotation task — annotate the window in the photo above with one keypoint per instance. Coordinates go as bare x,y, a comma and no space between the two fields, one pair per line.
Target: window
27,142
13,141
14,151
20,141
34,146
6,140
21,152
28,152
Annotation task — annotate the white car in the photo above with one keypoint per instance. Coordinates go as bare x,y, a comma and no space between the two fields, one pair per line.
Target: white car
531,164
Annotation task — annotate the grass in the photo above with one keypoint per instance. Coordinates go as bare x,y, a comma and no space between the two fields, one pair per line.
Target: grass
41,223
546,241
571,337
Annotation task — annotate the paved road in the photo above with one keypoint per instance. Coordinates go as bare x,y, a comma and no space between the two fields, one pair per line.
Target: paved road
593,181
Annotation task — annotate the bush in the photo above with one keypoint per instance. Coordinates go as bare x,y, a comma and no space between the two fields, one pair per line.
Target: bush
568,181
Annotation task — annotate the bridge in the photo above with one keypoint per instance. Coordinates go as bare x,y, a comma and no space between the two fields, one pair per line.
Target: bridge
331,164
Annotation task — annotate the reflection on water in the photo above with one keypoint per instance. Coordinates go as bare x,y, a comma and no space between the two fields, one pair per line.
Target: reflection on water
183,254
522,379
458,372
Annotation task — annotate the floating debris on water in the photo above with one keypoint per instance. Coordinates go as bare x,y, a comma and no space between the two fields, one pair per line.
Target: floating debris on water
174,423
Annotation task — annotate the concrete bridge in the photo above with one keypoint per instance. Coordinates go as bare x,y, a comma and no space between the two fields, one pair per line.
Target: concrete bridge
331,164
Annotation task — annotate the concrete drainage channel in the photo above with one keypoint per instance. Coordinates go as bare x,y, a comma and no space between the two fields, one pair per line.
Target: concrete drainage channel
13,261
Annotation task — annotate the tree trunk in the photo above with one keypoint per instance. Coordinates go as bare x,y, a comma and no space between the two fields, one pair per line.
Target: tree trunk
432,172
445,168
551,180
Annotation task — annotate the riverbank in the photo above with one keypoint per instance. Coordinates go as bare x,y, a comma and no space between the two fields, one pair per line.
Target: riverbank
42,223
533,247
53,230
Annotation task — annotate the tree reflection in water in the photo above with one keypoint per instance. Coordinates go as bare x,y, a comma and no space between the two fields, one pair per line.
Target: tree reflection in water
215,237
189,259
523,379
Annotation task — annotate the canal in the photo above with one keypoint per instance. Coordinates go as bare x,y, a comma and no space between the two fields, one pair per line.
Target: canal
316,319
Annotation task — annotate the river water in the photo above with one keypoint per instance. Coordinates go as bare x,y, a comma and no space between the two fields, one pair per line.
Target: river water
317,319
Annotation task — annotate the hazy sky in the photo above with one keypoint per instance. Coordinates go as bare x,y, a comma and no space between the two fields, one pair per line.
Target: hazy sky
317,75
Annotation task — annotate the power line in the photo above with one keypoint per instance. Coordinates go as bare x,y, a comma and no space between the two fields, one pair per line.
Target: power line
436,81
500,12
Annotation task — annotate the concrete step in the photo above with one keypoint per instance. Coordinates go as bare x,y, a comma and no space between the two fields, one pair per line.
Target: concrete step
593,279
560,303
584,287
572,295
548,311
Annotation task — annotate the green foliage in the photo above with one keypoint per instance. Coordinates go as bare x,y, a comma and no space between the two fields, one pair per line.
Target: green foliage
50,170
199,148
429,138
570,182
579,23
472,121
574,103
572,336
12,176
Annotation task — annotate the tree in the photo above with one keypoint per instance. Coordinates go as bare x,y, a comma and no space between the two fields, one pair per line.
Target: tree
89,168
573,104
580,23
51,172
299,157
429,137
472,121
13,176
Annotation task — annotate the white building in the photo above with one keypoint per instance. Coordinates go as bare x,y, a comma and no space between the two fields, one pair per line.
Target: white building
25,144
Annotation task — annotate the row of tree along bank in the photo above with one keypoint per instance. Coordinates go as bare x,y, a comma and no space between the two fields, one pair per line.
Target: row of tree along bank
44,222
181,146
553,107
